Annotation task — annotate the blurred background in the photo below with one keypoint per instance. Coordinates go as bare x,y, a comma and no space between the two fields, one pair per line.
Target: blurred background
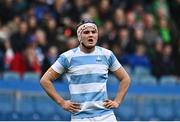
143,34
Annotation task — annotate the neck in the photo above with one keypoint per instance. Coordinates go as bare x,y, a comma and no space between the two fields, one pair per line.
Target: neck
84,49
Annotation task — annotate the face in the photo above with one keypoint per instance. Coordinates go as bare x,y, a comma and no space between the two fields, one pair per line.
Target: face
89,37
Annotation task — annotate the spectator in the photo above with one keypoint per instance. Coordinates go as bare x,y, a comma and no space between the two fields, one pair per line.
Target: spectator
71,43
139,58
176,54
50,58
51,30
32,24
150,33
174,8
19,39
6,11
136,39
167,62
9,54
130,20
164,31
160,9
14,24
124,39
40,44
119,17
92,11
40,9
105,10
2,68
25,61
163,63
155,57
109,35
125,24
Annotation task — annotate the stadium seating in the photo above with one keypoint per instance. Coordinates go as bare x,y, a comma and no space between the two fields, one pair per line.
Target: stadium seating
62,114
168,80
127,110
31,77
164,109
26,101
26,107
135,79
176,108
7,105
148,80
141,71
11,76
44,106
146,110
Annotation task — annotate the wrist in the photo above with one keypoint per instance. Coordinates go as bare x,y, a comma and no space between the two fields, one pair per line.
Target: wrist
61,102
117,101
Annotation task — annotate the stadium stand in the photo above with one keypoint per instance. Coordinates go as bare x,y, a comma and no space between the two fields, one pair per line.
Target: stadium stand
143,34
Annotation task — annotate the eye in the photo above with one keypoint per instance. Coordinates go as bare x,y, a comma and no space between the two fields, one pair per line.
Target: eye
86,32
93,31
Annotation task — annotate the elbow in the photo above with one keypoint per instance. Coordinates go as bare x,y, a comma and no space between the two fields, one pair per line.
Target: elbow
42,81
128,80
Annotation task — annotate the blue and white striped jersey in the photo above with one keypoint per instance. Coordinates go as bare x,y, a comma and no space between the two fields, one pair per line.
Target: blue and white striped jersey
87,74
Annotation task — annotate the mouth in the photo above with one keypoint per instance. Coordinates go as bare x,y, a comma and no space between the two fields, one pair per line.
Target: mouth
90,40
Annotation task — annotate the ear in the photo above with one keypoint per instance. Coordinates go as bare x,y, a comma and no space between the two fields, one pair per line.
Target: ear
79,39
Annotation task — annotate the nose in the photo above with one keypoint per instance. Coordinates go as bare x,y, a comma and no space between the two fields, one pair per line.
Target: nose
91,34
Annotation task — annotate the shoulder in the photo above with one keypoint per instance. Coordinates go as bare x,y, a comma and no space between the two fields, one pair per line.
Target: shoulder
105,51
69,54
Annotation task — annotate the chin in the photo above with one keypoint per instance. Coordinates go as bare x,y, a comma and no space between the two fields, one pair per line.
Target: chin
90,46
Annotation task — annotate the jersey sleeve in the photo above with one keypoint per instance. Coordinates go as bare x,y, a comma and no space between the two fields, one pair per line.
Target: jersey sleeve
114,63
60,64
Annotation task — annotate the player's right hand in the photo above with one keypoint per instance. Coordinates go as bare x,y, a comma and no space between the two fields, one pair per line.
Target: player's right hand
71,106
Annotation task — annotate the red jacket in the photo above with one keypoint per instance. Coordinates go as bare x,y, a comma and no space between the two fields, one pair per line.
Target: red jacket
20,65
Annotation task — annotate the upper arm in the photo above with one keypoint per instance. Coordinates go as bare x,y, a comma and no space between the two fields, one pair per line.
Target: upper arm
50,75
121,74
56,69
117,68
113,63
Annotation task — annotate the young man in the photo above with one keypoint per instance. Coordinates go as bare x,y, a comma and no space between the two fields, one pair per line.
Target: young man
87,68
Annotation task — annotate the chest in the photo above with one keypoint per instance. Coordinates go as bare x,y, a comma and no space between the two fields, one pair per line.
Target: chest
88,65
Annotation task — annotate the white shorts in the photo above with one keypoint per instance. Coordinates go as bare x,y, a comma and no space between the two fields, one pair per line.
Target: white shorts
105,118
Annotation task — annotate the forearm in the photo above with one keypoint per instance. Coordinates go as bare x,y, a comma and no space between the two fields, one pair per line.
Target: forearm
47,85
122,90
51,91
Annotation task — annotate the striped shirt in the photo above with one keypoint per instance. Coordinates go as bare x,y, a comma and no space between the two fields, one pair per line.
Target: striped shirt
87,75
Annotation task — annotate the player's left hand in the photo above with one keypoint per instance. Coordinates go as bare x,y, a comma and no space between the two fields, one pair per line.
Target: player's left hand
110,104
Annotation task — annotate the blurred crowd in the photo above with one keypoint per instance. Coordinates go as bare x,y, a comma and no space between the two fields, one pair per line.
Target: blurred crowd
140,32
